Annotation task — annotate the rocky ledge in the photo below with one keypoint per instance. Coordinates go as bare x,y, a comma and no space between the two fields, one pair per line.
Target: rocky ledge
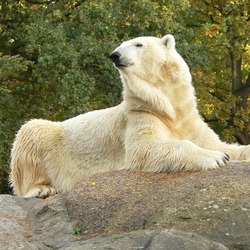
136,210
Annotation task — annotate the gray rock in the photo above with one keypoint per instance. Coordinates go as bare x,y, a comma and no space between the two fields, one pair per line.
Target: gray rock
150,240
44,224
14,226
126,210
215,204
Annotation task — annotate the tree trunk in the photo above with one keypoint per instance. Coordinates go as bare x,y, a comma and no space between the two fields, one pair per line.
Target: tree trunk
242,91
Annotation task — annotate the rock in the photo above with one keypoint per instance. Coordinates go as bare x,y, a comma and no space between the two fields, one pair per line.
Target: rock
150,240
44,224
126,210
214,204
14,226
50,222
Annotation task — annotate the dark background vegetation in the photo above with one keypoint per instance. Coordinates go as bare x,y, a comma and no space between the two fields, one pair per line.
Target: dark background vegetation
54,59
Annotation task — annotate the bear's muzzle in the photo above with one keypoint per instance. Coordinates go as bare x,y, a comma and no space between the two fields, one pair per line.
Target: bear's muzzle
116,58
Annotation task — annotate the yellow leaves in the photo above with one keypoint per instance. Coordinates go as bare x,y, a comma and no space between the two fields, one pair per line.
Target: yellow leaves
198,73
245,160
212,32
209,33
209,108
127,24
57,14
93,183
164,8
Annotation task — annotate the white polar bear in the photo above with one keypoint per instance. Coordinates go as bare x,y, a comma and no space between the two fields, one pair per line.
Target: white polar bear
157,128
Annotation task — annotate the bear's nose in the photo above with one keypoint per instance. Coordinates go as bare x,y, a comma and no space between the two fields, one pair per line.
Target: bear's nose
115,56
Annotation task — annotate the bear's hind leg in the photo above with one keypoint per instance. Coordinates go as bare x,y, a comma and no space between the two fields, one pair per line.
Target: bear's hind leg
40,191
34,145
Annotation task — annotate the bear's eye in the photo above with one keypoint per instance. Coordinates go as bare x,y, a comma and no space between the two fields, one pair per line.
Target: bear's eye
139,45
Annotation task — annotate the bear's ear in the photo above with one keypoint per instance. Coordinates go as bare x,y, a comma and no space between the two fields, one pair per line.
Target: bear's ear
169,41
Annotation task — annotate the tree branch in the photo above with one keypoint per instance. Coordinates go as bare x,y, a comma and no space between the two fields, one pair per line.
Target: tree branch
248,81
39,2
209,120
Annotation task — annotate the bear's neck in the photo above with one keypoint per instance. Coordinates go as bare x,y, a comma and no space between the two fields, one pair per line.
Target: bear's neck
173,99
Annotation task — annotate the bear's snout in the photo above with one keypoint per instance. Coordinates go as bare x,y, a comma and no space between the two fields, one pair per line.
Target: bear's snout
115,57
119,60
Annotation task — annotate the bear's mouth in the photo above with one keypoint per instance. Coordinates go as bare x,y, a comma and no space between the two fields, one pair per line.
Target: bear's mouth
121,65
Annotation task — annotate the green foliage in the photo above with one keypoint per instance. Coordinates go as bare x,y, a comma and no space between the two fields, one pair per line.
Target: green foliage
222,76
76,230
54,57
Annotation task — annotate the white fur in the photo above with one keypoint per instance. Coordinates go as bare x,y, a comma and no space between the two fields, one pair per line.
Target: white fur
156,128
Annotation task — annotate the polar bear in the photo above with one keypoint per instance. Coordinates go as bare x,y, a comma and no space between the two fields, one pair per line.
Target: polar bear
156,128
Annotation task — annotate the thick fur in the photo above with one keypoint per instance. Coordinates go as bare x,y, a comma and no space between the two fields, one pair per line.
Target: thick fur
156,128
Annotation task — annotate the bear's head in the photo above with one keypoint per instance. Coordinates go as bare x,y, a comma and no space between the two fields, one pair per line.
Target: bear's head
151,69
149,58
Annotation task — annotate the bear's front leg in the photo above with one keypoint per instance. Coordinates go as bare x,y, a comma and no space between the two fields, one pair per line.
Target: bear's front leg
240,153
245,155
158,155
202,159
236,152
